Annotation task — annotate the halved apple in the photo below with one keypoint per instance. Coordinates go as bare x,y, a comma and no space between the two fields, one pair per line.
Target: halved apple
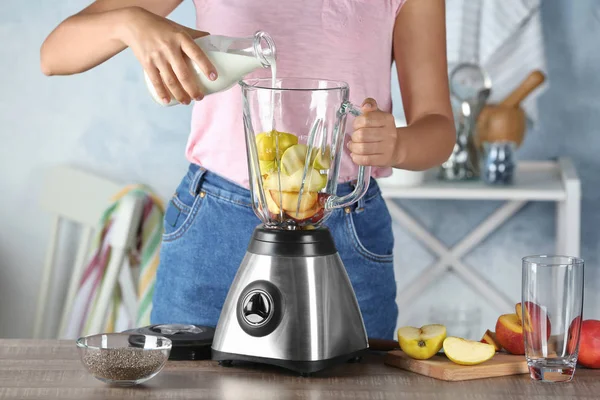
292,201
421,343
467,352
509,334
532,320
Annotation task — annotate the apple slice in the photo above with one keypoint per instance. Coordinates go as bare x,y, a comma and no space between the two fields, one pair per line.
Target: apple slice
272,205
314,182
265,146
289,200
490,338
509,334
467,352
302,216
322,160
285,140
294,158
266,167
268,142
421,343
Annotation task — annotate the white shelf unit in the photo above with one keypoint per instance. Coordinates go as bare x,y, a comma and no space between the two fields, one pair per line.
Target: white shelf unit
555,181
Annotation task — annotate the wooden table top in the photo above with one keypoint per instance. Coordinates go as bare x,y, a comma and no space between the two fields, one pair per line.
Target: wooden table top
51,370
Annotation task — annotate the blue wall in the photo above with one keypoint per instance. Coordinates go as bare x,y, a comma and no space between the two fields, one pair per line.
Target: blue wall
105,122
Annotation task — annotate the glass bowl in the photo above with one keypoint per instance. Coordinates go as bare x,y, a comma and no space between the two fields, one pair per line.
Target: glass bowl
123,359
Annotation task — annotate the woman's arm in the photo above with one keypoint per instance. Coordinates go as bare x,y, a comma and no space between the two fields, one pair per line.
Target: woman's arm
420,54
94,34
107,27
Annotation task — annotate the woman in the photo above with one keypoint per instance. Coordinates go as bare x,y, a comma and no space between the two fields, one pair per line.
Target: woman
209,220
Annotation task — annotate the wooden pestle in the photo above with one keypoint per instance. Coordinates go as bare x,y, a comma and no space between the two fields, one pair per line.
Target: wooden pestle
506,121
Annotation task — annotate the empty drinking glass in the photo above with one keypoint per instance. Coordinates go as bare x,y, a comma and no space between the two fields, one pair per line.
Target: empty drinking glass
551,311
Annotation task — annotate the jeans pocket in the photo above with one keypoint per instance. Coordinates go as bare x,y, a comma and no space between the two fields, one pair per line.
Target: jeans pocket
181,210
371,231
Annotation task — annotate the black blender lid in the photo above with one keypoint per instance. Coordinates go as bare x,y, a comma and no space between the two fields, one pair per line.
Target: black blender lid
189,342
292,243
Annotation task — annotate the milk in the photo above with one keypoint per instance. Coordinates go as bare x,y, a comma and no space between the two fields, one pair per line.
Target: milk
273,65
230,68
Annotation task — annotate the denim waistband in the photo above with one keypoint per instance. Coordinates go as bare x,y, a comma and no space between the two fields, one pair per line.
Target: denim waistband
204,180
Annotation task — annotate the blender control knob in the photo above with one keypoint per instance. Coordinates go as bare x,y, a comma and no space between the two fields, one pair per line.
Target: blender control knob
257,307
260,308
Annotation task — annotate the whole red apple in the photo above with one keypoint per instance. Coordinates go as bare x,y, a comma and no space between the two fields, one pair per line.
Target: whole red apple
589,344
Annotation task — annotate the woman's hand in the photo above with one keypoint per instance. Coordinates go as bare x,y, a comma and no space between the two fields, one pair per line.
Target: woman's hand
375,140
161,46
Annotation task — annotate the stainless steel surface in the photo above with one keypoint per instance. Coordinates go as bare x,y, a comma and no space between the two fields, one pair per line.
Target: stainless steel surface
320,320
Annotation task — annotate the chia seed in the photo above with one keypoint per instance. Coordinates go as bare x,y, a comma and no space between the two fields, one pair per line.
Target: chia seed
123,364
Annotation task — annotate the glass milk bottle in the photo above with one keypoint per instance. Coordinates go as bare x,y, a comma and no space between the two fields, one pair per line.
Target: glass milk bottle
233,58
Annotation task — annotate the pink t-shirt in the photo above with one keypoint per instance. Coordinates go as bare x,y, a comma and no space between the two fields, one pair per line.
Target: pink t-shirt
344,40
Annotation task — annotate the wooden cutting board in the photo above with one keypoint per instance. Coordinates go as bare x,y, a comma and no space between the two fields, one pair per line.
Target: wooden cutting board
440,367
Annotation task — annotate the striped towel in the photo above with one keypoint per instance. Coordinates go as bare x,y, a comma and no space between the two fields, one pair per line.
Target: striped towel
142,260
503,36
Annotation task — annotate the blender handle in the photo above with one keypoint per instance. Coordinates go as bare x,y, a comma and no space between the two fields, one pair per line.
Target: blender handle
364,173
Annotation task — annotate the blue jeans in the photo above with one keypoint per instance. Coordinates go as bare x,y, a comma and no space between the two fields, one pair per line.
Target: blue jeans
208,225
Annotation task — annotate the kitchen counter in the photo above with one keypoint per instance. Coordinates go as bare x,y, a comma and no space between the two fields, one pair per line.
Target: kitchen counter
48,369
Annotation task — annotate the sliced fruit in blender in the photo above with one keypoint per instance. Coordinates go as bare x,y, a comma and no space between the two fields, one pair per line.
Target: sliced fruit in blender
265,146
267,142
304,215
271,204
315,182
289,200
266,167
294,158
286,140
322,159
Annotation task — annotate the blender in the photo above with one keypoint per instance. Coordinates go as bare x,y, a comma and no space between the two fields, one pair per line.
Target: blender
291,303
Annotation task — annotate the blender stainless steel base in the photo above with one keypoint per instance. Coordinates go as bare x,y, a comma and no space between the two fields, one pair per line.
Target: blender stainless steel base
291,304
